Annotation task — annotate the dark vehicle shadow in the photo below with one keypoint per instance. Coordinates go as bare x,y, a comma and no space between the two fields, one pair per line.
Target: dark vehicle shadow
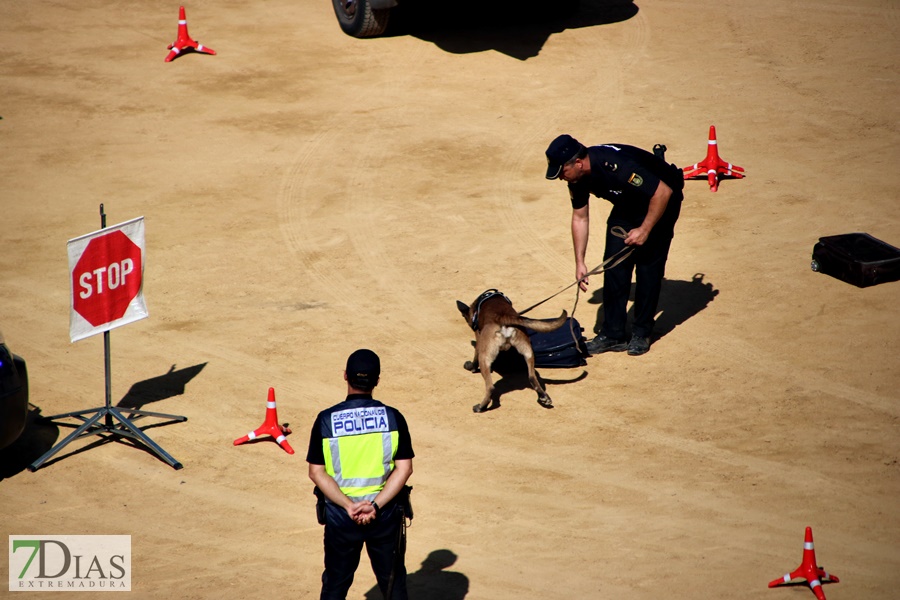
432,580
517,29
35,440
678,301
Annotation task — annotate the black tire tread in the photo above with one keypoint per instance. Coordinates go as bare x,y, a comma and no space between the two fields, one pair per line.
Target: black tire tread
368,22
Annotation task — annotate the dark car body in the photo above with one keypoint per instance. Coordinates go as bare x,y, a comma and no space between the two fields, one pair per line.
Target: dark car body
13,395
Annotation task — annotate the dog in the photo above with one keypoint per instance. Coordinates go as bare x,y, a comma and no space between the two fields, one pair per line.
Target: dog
498,326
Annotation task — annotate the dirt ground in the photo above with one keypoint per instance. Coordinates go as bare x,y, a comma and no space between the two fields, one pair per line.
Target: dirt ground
306,194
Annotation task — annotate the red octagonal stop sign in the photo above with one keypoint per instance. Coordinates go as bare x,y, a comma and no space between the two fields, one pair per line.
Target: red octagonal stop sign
106,278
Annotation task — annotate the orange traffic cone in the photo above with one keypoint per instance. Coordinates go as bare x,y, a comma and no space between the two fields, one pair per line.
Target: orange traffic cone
712,166
808,571
184,40
270,427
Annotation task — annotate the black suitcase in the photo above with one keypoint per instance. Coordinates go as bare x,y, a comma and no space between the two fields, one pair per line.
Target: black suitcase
563,348
856,258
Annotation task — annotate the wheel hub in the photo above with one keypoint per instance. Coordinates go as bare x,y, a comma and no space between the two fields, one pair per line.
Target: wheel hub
349,7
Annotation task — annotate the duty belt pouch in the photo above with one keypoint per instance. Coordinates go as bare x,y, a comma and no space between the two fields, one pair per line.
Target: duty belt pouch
856,258
404,502
660,151
320,505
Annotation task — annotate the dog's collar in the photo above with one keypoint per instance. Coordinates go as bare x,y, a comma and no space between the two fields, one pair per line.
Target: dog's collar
473,318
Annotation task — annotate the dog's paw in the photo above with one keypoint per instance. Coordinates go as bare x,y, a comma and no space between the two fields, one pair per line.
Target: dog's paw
470,366
478,408
545,401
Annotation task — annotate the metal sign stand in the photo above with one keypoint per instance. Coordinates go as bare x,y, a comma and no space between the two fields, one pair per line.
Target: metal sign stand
92,423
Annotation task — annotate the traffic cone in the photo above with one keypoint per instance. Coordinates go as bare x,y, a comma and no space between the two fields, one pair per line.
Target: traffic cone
808,571
712,166
184,40
270,427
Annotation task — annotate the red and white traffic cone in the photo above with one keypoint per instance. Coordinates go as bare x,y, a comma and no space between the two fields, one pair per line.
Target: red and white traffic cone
184,41
270,427
712,166
808,571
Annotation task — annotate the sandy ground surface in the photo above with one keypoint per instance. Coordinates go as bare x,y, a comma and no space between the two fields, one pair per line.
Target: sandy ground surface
306,194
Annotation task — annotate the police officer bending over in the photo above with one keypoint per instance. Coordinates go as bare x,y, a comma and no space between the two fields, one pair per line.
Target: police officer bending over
646,195
360,457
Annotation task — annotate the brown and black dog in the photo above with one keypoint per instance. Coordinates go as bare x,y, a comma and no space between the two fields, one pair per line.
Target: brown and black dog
499,327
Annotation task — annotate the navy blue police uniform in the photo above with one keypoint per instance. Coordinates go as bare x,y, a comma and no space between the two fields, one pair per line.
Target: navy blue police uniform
628,177
381,434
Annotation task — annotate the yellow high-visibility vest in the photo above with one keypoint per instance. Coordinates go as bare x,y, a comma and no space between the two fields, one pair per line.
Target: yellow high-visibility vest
360,455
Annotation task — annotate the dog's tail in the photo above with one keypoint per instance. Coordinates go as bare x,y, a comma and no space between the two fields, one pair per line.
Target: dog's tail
541,326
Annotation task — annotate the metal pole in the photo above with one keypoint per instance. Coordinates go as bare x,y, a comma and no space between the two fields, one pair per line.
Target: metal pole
106,352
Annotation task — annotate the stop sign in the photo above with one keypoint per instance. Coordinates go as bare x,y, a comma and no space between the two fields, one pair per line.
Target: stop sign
106,278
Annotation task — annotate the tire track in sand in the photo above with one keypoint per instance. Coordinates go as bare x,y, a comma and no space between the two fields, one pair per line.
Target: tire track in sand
338,227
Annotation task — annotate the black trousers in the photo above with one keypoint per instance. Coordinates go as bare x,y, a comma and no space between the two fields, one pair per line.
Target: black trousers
648,264
344,541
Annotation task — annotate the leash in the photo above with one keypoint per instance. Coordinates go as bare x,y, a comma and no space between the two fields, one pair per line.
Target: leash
609,263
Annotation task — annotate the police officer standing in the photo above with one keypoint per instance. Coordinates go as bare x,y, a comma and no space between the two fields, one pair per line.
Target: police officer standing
645,192
360,457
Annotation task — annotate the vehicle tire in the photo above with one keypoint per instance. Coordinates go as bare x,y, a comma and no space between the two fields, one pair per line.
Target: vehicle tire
359,19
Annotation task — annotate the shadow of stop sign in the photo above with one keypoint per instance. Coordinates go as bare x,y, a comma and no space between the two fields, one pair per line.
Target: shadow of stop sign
106,278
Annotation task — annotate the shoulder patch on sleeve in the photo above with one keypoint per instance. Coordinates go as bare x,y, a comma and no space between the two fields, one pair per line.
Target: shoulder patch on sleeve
636,180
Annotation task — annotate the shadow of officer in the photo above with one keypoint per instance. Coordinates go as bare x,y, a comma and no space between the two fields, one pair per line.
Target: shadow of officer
680,300
683,300
432,581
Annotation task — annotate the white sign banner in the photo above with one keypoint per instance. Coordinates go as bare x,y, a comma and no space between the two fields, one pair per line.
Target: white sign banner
106,271
70,563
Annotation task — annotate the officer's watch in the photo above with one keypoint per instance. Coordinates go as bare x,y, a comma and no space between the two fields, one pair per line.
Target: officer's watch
377,508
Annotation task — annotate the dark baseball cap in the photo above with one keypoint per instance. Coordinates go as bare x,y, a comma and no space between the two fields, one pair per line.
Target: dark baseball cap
363,369
560,151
